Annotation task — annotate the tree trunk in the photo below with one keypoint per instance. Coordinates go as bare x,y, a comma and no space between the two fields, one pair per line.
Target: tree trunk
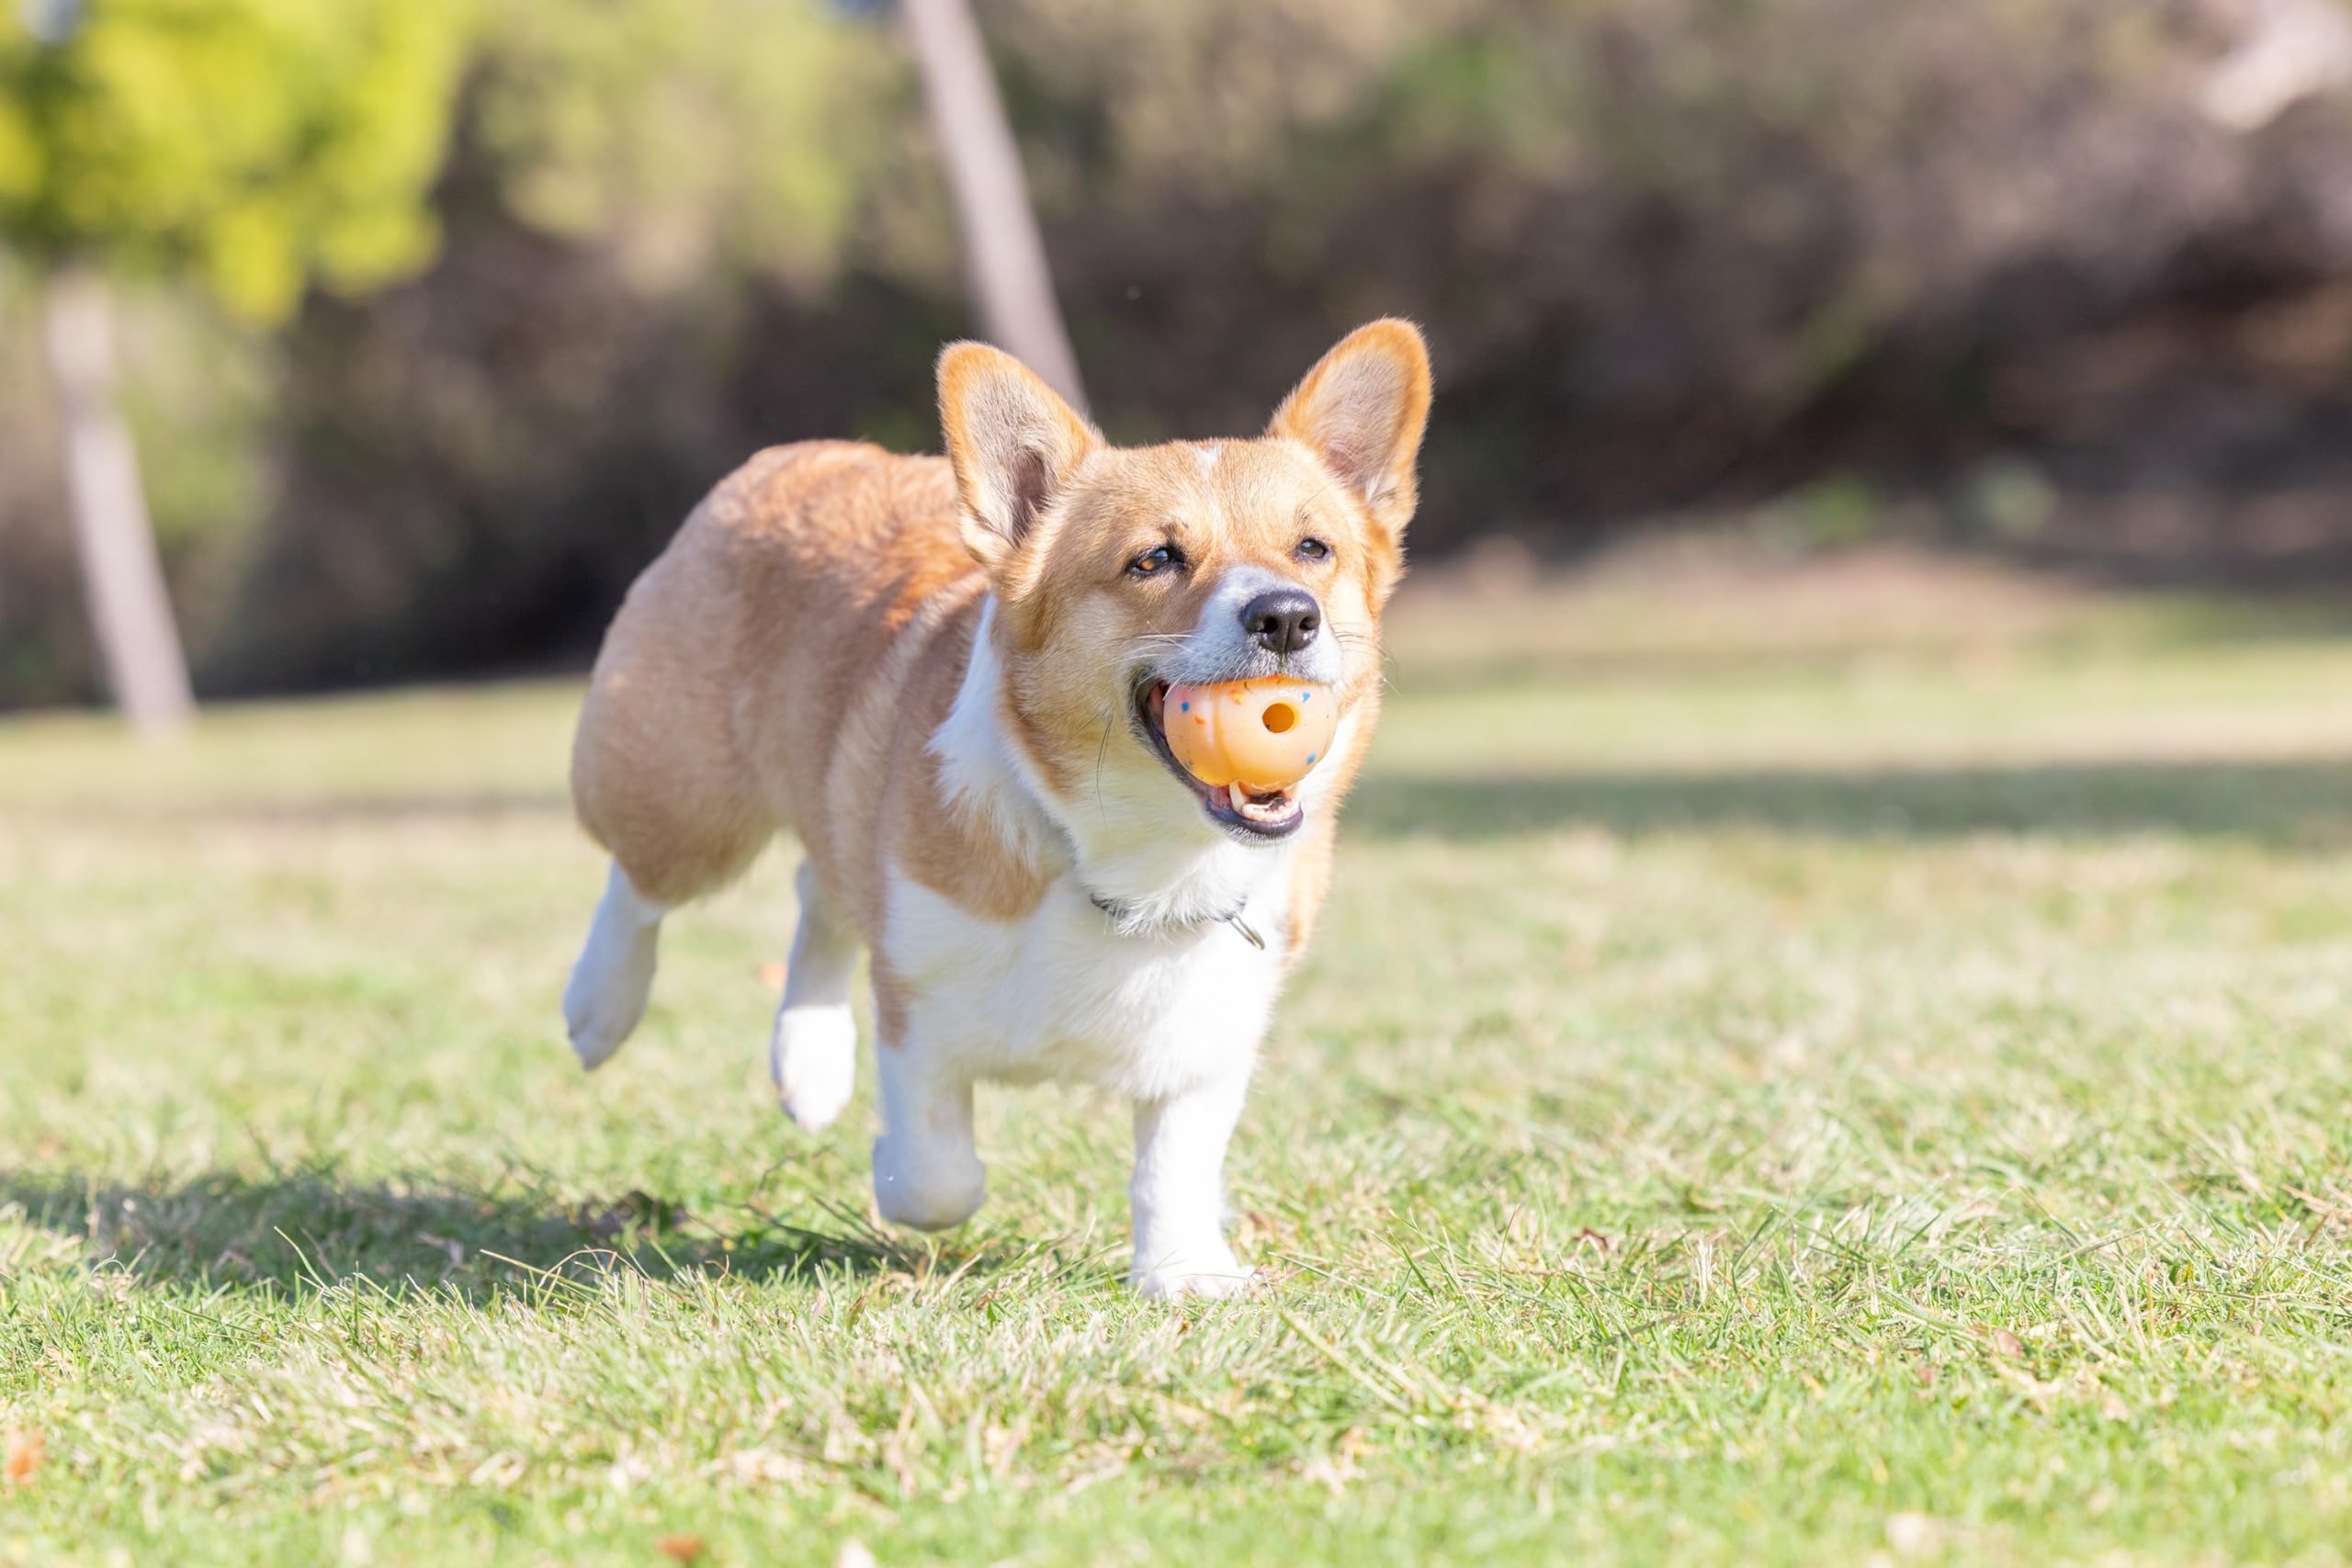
122,580
1003,253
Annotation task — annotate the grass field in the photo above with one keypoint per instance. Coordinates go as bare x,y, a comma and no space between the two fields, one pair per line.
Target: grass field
1798,1070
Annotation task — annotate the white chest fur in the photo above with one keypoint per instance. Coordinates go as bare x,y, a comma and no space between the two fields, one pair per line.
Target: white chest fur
1061,994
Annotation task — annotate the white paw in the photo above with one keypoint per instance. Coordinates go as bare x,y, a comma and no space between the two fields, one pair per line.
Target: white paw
933,1194
1210,1274
813,1059
606,998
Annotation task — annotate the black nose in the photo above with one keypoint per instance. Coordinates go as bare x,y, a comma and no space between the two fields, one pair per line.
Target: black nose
1284,620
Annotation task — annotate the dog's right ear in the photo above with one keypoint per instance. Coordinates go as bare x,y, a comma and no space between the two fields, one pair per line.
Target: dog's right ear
1015,444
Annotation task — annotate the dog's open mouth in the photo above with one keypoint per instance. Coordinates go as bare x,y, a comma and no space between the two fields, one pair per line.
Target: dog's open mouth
1274,814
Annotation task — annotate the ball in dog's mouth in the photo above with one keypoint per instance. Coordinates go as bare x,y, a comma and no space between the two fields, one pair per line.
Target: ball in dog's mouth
1264,814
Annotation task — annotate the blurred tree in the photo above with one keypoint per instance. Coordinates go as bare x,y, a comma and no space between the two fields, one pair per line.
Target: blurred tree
1003,254
255,144
644,211
1678,257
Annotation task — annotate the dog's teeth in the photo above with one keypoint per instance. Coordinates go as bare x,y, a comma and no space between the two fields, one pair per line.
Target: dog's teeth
1233,792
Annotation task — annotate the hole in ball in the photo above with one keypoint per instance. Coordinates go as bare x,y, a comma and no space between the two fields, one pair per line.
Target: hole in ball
1280,716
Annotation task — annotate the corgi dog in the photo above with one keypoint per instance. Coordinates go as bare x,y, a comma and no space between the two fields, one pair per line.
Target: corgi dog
942,678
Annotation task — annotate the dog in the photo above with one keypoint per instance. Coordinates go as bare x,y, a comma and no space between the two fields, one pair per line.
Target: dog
943,679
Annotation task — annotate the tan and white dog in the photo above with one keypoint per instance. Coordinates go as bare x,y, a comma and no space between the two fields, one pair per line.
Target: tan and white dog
943,678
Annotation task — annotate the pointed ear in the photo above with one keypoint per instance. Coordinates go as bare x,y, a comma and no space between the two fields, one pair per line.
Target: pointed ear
1362,411
1015,444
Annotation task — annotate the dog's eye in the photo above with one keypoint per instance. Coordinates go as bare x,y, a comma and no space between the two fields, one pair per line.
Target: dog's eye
1312,549
1151,563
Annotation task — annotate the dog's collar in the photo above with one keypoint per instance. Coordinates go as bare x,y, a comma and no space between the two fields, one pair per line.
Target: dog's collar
1122,915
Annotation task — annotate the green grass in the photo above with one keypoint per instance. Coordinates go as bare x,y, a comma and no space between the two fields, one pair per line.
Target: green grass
1755,1099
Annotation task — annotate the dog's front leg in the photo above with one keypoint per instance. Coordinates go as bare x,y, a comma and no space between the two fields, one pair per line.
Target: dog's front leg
927,1172
1179,1191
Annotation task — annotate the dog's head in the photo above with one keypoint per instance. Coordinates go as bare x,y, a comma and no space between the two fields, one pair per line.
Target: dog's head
1119,572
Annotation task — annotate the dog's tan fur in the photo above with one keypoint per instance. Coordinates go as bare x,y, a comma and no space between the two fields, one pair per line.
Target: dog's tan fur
787,662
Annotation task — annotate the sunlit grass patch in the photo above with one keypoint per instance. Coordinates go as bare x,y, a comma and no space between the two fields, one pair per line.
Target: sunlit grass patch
1730,1114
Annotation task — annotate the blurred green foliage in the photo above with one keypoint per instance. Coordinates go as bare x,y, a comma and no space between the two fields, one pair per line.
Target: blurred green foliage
693,135
1820,262
222,155
256,143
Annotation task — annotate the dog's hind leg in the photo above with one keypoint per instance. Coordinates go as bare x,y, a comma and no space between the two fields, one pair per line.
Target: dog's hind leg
658,780
609,983
813,1054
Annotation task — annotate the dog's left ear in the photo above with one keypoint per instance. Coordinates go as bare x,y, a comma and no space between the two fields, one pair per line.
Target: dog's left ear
1362,411
1015,444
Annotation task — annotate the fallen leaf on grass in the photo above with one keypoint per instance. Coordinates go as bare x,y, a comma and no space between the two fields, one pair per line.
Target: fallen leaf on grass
25,1453
682,1548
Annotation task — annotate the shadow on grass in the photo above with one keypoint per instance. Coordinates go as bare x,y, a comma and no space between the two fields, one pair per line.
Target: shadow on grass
2299,802
309,1227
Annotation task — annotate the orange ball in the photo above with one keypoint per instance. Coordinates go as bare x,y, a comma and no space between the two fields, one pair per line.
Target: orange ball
1264,735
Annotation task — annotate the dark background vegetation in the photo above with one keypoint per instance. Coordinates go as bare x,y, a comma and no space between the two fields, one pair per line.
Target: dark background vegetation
1992,273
